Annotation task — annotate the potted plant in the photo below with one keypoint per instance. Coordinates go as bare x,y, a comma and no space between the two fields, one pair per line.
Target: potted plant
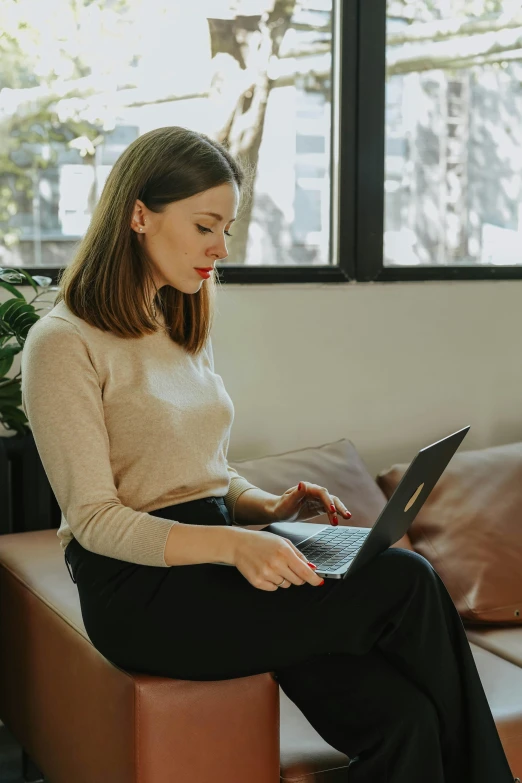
26,498
16,318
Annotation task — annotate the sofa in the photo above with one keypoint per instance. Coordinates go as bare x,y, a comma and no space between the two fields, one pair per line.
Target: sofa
80,719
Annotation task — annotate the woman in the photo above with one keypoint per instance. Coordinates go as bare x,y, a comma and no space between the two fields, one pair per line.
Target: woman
132,425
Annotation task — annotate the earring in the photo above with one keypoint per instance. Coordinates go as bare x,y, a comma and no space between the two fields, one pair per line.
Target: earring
141,229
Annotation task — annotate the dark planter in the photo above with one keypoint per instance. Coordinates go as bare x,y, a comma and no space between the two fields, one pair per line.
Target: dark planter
27,501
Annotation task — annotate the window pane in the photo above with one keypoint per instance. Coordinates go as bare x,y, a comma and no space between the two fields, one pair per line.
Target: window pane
453,180
84,79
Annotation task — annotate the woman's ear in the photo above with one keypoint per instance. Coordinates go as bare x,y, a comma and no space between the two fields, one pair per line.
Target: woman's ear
138,220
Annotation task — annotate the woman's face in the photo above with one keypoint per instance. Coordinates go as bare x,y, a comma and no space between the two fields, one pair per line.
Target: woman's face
183,238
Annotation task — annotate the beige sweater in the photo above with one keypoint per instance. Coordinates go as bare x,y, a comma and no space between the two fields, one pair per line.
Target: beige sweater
125,426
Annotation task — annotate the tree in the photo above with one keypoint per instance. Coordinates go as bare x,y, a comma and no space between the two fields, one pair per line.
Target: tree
252,41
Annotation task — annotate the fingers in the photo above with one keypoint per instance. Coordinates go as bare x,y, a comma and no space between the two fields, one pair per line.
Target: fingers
298,572
331,503
298,577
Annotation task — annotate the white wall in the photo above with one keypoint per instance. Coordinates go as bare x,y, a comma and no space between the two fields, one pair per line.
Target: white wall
391,366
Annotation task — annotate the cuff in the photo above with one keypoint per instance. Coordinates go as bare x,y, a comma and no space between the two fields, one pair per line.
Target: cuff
238,485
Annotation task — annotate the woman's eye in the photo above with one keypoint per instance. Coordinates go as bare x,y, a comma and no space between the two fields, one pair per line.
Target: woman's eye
204,230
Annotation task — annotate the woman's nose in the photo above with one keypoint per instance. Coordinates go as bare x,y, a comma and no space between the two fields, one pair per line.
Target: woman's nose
220,251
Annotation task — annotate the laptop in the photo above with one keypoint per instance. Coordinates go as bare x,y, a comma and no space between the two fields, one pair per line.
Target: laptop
340,551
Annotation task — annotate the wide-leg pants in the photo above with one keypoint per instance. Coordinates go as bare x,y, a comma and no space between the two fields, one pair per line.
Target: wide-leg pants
379,662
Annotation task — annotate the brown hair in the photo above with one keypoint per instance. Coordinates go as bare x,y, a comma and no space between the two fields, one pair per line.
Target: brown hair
109,279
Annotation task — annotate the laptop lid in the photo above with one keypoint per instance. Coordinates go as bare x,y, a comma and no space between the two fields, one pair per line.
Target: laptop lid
402,507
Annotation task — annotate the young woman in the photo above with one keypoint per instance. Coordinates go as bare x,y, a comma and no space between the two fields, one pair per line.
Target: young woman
132,424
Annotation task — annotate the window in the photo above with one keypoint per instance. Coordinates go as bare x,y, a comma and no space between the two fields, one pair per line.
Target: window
389,146
82,79
453,173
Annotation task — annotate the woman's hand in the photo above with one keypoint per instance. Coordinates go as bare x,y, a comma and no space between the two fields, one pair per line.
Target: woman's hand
306,501
264,559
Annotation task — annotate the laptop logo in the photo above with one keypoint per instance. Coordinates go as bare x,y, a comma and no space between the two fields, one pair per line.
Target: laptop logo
414,497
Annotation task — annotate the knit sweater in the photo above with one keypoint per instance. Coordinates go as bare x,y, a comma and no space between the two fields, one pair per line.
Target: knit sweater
124,426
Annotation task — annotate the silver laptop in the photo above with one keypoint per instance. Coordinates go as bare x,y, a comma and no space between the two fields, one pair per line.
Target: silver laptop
339,551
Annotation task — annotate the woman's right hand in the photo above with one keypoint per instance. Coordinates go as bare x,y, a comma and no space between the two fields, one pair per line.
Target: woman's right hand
264,559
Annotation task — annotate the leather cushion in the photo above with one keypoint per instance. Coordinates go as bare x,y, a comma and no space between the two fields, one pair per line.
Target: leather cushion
470,529
504,641
336,466
83,719
502,683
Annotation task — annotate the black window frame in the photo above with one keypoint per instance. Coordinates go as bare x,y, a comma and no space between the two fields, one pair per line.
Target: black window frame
371,81
357,137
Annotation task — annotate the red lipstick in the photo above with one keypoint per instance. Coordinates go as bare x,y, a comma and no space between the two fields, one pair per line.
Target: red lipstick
205,273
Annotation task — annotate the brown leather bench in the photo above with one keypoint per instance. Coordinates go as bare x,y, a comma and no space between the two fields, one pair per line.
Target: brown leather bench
83,720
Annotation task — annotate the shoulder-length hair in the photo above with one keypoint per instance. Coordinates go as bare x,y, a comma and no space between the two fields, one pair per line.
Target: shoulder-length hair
109,281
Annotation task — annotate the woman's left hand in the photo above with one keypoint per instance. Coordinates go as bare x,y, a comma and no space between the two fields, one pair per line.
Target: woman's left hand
306,501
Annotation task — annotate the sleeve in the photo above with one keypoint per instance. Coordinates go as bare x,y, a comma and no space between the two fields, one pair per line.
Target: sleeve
238,484
62,399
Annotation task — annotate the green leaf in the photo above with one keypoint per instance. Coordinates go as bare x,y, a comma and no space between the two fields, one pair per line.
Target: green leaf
29,278
9,350
14,419
11,395
7,354
12,289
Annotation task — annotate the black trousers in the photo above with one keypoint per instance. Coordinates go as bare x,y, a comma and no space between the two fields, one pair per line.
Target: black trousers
379,663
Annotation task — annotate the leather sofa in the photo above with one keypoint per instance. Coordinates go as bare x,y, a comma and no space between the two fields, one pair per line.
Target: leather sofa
83,720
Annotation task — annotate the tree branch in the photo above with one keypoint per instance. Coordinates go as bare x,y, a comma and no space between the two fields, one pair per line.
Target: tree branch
464,52
462,62
441,30
419,57
419,66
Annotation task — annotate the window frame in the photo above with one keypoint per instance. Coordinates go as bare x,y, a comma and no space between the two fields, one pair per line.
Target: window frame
371,167
357,170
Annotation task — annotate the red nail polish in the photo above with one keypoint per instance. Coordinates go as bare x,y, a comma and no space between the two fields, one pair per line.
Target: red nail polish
320,583
332,507
335,521
299,487
312,565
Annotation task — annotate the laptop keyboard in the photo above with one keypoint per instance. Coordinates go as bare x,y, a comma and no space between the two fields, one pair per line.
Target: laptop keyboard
334,547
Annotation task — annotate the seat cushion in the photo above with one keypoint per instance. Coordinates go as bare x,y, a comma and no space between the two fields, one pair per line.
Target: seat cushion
502,682
37,561
470,530
336,466
85,720
504,641
305,756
